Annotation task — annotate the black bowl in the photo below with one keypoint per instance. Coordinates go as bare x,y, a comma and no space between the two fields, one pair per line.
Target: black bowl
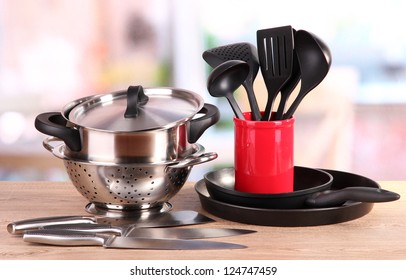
307,181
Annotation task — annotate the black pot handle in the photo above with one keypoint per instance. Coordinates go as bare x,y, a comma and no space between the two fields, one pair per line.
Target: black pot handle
334,198
54,124
199,125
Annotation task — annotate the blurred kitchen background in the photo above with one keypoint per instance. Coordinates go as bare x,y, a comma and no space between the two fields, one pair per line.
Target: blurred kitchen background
54,51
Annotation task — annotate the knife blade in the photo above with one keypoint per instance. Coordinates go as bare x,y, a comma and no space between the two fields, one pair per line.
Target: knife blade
133,231
166,219
78,238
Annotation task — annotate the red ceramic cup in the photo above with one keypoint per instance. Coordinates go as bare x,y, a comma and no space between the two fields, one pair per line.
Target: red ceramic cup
263,155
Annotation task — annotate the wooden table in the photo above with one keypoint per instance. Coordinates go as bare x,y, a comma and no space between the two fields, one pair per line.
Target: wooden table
379,235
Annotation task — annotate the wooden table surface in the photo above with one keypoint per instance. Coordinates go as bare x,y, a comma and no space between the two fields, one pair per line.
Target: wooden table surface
381,234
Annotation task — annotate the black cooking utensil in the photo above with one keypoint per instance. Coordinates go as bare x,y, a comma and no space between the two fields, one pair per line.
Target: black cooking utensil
225,79
293,217
275,52
288,88
311,189
238,51
315,60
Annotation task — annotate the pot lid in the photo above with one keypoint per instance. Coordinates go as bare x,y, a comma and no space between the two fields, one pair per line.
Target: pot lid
137,109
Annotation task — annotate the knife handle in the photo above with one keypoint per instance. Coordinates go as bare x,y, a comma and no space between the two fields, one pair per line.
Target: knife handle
64,237
94,228
20,226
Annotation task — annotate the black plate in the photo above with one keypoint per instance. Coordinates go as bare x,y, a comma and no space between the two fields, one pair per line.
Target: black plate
307,181
293,217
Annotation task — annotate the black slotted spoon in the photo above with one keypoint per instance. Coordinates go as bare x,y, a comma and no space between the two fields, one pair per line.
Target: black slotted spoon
275,52
238,51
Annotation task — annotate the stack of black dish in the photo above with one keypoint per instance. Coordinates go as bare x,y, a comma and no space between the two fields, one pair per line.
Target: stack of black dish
320,197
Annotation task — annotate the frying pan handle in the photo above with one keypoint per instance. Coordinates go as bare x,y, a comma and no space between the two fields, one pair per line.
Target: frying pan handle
54,124
333,198
199,125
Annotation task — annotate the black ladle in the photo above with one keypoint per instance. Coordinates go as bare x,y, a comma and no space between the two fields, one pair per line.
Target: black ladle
227,78
315,60
238,51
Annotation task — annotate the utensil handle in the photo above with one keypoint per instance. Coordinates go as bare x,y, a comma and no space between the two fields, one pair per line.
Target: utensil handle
255,111
273,91
54,124
64,237
94,228
20,226
295,104
197,126
234,106
281,107
288,88
359,194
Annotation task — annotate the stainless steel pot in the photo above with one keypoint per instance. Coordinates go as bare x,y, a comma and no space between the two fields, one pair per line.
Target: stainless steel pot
128,186
139,125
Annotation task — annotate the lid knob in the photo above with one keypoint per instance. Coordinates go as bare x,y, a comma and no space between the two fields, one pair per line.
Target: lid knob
135,98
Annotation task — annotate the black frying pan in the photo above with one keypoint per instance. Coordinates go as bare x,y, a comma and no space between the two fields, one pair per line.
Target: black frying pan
311,190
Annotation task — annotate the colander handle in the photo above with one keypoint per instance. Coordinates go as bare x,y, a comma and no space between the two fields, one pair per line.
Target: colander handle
194,160
48,140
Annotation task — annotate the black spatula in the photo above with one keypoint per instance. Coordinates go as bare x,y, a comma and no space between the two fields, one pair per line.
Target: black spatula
275,52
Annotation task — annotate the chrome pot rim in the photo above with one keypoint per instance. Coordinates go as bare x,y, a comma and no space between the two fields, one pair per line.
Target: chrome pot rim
85,112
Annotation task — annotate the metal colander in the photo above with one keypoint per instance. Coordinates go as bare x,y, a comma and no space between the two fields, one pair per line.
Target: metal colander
129,186
126,186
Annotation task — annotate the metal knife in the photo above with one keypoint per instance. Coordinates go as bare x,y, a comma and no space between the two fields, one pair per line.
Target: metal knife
133,231
166,219
78,238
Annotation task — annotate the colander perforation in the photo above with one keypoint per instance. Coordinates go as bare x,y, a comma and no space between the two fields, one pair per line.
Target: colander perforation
126,186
